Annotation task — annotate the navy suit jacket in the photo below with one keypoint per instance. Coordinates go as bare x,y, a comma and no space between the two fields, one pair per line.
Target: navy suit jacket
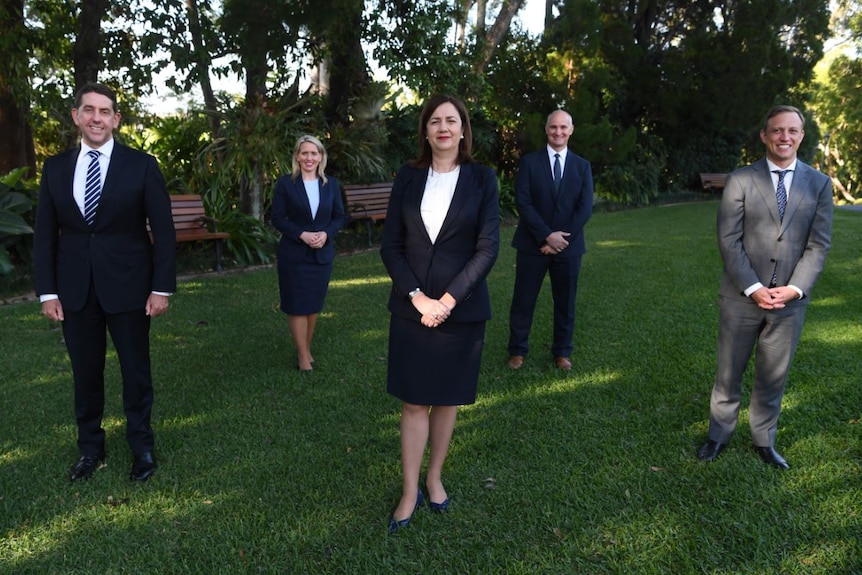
754,242
542,211
291,215
117,253
463,254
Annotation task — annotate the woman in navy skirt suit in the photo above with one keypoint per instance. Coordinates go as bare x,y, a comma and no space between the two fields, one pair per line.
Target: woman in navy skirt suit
440,241
308,211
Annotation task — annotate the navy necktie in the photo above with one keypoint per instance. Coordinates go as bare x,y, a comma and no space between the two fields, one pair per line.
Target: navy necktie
558,172
781,192
92,188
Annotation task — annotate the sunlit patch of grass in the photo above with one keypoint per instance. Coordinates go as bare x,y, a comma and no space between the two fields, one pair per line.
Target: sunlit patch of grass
263,469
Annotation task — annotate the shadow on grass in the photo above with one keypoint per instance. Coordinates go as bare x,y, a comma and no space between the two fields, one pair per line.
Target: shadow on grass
263,469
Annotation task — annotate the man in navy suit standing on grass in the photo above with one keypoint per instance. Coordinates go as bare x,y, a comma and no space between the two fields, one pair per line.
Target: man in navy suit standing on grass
97,269
554,196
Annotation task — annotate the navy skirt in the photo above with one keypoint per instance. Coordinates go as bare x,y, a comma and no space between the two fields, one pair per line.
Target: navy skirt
434,366
302,286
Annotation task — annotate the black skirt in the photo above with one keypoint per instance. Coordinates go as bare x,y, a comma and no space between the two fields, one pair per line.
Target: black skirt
434,366
303,286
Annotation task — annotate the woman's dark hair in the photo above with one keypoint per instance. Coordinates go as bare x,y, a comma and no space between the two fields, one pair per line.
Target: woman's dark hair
464,146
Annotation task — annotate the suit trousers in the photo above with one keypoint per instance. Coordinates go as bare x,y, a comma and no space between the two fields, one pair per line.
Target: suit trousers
775,334
86,343
529,276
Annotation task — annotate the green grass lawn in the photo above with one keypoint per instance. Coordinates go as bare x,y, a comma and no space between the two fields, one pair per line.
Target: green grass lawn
265,470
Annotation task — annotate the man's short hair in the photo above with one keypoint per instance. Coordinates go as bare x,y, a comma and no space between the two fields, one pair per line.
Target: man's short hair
98,89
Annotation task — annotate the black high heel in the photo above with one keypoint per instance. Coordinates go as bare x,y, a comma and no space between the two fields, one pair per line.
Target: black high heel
395,525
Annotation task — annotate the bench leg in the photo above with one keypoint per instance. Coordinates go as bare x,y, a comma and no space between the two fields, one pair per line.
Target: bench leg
218,252
368,227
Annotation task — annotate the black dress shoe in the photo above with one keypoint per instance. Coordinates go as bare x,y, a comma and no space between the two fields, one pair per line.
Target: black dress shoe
710,450
85,466
143,466
772,457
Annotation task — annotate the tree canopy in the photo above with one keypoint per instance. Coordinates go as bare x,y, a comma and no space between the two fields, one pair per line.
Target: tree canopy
659,91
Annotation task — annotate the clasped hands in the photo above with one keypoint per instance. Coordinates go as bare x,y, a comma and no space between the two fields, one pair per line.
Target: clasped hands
434,311
555,243
774,298
314,240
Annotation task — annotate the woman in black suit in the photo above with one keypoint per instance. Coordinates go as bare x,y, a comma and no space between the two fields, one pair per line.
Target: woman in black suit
440,240
308,211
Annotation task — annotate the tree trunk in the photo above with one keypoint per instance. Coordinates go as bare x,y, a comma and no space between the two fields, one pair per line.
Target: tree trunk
549,13
86,52
348,73
251,186
16,136
496,34
202,66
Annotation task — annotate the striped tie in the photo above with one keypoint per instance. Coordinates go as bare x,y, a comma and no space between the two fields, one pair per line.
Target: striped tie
93,187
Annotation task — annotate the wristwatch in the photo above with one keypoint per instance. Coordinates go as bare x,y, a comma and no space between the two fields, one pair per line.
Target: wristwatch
413,293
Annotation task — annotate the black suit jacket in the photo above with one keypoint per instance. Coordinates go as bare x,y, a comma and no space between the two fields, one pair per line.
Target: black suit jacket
291,215
542,211
117,253
463,254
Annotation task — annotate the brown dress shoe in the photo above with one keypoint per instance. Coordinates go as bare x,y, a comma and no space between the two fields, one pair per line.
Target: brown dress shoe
516,362
564,363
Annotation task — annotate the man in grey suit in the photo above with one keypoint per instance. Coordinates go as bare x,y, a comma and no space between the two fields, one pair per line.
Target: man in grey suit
774,230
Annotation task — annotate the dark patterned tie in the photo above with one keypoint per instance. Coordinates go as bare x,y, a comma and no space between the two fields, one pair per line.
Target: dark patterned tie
93,187
558,172
781,192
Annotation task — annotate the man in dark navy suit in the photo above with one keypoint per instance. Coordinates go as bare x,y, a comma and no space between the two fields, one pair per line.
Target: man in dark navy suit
554,196
97,269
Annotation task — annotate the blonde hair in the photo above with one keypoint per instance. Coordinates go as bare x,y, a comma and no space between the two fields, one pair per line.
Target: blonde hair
321,167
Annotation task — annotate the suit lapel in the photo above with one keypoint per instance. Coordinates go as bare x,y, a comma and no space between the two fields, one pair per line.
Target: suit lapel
459,199
300,196
567,182
68,179
112,183
798,188
766,190
413,193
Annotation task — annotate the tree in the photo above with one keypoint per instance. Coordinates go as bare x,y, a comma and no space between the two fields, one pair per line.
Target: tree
838,106
16,146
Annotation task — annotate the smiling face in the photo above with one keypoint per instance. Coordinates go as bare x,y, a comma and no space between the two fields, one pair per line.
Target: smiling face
782,136
308,157
444,129
558,129
96,119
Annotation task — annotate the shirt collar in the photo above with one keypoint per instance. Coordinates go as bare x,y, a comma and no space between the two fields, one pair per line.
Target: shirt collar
107,148
552,152
773,167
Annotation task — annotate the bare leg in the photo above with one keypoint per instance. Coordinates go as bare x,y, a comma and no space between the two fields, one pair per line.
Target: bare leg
442,425
299,331
414,437
312,321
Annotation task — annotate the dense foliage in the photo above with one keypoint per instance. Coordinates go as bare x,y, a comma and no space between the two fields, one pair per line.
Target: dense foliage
659,91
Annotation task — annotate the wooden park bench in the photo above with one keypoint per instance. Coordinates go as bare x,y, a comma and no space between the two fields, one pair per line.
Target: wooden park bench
367,203
713,182
192,224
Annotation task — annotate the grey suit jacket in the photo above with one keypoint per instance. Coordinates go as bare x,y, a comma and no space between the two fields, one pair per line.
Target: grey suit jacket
754,243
